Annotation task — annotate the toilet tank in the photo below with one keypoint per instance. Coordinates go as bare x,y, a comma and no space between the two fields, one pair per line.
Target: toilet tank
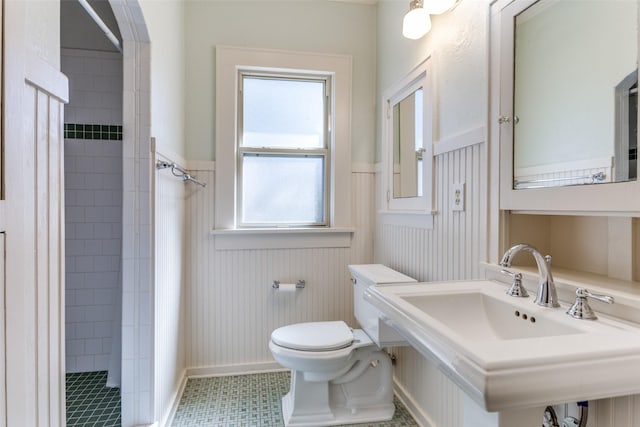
369,317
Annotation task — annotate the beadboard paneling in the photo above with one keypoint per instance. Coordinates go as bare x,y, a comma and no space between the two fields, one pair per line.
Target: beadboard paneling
230,305
169,285
451,250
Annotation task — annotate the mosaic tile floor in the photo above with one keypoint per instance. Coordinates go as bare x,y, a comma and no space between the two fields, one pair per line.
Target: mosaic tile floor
90,402
248,400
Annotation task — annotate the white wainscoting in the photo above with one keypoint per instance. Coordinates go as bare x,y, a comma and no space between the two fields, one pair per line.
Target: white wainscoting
451,250
231,308
170,253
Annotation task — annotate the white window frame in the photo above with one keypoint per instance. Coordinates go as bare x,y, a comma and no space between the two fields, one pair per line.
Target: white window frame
409,211
324,151
229,61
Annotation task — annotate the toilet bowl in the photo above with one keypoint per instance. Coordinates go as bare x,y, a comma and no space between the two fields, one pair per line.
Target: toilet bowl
340,375
333,381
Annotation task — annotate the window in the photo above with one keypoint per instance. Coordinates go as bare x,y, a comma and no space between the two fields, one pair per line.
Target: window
283,146
283,153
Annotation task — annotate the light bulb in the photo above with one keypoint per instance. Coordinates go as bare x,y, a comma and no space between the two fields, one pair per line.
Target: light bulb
416,23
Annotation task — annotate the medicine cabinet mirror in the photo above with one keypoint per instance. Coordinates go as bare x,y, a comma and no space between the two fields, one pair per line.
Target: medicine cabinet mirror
407,143
567,104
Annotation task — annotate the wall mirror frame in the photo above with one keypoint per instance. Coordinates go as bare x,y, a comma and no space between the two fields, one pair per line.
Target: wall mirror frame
619,198
409,208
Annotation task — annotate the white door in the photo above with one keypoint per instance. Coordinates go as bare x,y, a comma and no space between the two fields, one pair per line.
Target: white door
31,220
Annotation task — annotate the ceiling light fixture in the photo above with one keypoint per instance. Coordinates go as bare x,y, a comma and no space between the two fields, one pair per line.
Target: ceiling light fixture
416,22
436,7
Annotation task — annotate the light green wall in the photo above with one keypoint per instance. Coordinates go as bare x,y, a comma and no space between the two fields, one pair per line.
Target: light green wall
458,45
166,26
311,26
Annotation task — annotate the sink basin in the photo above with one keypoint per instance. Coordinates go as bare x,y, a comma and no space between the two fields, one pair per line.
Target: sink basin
507,352
478,316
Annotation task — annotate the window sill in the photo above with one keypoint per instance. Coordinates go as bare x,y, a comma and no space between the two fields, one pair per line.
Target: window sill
282,238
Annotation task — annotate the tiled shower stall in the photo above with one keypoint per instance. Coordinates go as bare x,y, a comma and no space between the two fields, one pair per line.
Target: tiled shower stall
93,206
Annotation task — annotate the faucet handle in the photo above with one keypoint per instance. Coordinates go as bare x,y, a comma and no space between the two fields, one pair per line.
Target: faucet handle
516,289
581,309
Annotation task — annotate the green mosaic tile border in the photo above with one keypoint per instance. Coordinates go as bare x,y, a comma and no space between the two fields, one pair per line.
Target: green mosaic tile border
90,402
88,131
249,400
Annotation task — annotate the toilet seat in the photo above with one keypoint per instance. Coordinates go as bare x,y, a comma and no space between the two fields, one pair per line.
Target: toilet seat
314,336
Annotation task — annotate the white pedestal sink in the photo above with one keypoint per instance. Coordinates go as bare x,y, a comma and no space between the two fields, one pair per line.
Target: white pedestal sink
508,354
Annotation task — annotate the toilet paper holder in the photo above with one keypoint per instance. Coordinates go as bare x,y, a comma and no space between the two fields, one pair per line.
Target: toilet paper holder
300,284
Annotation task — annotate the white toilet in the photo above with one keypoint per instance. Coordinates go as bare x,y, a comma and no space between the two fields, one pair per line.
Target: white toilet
340,375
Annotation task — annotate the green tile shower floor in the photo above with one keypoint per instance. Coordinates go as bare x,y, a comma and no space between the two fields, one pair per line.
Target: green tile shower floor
90,403
247,400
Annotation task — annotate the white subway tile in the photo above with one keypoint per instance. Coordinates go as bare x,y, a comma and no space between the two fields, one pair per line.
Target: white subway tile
74,347
70,265
84,330
102,329
70,332
84,297
74,280
112,247
101,362
94,214
93,182
103,198
102,231
93,346
83,231
74,181
93,247
106,263
113,149
70,364
104,296
84,264
112,181
85,364
85,198
106,345
112,214
75,214
116,230
75,247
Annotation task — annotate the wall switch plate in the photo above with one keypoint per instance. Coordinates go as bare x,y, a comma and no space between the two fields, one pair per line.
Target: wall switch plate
457,197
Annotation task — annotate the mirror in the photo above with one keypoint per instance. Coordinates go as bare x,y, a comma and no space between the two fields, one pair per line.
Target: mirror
407,149
408,146
575,93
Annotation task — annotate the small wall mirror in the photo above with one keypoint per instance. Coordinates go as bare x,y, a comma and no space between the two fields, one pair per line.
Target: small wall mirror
407,144
575,93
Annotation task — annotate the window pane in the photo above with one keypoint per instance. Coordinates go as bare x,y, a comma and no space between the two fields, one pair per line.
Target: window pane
281,189
282,113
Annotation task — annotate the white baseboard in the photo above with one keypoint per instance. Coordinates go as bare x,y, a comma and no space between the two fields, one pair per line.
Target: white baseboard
418,415
167,418
224,370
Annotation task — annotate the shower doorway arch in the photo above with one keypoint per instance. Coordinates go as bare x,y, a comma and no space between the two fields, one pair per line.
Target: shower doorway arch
137,389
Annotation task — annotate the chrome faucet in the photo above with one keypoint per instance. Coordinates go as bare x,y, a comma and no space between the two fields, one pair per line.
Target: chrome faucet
547,296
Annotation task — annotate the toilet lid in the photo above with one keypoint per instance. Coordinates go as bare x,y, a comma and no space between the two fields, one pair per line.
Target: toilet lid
314,336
